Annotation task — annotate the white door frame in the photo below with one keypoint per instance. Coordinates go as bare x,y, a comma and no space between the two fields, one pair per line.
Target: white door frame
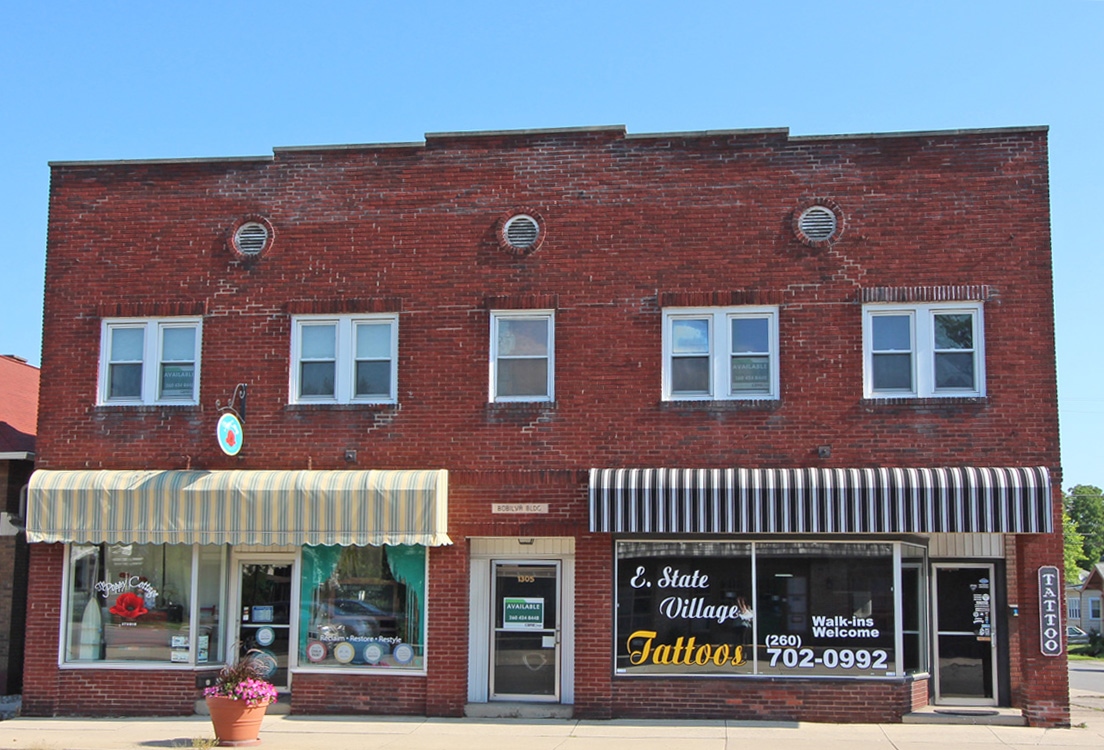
237,559
480,604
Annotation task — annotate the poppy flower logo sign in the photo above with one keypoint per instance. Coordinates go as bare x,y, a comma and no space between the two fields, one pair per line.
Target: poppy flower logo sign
129,606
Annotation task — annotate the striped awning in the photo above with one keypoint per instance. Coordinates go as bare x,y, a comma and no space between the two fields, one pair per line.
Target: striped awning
848,501
239,507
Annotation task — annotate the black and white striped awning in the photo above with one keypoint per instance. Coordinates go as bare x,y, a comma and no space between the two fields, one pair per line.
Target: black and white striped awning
796,501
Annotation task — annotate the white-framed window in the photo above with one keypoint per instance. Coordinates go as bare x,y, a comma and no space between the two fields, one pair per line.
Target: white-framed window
522,362
344,359
923,351
1073,608
150,361
1094,608
724,353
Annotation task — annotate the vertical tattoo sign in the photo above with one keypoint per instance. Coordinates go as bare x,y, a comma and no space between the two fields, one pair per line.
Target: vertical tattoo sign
1050,631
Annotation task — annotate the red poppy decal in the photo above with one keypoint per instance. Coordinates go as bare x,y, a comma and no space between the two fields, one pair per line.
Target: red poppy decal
129,606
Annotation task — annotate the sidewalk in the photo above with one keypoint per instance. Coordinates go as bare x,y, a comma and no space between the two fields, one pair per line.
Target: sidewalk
341,732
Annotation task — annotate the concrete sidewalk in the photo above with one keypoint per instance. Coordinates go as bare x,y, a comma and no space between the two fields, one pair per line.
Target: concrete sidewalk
341,732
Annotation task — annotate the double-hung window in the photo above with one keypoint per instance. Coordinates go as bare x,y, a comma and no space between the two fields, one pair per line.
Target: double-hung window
1073,608
344,359
522,346
720,353
932,350
150,361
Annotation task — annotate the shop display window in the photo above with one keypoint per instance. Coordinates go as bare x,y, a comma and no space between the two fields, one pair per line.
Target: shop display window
784,609
153,603
363,607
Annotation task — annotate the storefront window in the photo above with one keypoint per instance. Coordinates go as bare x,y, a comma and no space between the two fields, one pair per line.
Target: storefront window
134,603
825,609
684,608
363,607
793,609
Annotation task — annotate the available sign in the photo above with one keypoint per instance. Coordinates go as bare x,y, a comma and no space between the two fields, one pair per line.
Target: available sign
522,613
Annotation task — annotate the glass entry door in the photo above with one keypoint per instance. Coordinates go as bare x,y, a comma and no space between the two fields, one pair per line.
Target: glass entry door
525,639
264,615
965,638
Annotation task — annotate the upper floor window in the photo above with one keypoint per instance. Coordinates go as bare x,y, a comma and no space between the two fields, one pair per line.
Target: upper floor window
522,345
344,359
720,353
923,350
150,361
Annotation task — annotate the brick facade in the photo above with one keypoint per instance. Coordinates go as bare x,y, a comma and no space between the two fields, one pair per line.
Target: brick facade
629,224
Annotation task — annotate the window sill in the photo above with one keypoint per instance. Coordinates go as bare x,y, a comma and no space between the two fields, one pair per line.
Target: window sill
327,406
145,408
748,404
931,402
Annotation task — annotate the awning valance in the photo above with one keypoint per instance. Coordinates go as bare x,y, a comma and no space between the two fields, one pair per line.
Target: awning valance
239,507
748,501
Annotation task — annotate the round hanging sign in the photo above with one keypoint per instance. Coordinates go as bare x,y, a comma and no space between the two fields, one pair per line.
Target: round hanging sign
230,435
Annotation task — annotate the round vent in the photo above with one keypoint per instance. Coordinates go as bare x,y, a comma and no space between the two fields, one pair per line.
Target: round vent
818,223
521,232
251,238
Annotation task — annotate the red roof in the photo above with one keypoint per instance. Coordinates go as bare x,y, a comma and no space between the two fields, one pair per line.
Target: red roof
18,405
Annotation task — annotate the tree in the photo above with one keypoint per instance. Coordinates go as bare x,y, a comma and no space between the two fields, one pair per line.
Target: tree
1074,547
1085,505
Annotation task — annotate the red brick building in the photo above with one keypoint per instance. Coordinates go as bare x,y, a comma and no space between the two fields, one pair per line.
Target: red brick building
720,424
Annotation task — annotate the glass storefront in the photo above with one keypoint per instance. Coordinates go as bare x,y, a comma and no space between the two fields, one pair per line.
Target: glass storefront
156,603
788,609
363,607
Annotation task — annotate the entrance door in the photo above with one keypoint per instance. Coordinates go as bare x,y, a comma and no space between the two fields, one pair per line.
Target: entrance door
525,639
264,614
965,635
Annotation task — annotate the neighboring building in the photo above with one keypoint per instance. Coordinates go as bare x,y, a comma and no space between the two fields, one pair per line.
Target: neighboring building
1083,601
700,425
18,418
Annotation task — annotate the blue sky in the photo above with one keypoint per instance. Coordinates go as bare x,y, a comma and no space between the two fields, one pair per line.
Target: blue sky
130,80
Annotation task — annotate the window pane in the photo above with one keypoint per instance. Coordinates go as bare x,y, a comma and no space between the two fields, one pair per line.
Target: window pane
127,344
659,584
373,341
363,607
522,377
891,333
837,599
690,336
124,381
954,331
373,379
319,341
522,337
177,381
892,372
178,345
750,335
129,602
208,646
690,375
316,379
751,374
954,371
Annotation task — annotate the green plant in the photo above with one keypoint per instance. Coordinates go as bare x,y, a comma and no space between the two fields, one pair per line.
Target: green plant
244,680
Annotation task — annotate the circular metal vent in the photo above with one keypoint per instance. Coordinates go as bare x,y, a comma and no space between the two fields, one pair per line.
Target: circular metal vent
250,238
521,232
817,223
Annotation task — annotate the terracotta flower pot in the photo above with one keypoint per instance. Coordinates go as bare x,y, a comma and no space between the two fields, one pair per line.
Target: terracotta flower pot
236,724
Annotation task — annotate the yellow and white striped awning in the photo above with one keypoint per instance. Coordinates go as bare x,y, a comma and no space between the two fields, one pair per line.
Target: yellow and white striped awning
239,507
